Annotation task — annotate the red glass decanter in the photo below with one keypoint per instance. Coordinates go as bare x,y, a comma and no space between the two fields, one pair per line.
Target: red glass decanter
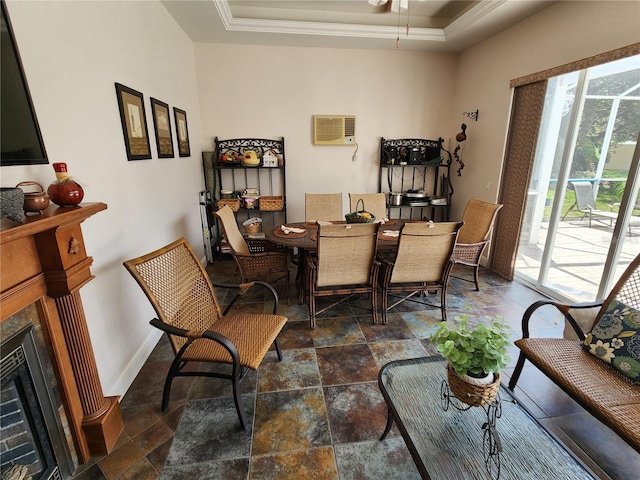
64,191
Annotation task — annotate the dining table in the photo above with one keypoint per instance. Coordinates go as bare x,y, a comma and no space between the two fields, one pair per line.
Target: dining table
304,237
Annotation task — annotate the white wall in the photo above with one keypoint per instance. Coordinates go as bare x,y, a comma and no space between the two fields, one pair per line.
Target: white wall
73,52
268,92
562,33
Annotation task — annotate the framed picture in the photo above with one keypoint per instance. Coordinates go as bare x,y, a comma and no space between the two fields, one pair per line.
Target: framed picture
134,123
182,131
162,126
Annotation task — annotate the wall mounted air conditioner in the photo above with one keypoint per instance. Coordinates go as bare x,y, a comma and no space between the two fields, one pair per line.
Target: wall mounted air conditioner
334,130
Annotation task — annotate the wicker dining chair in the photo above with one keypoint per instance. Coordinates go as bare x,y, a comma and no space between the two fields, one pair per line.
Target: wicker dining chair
188,311
478,218
374,203
265,260
322,207
345,265
422,264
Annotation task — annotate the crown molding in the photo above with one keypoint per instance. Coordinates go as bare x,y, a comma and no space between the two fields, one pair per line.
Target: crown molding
231,23
470,17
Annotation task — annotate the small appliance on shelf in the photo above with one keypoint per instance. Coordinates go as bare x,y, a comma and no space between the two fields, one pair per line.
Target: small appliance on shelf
415,198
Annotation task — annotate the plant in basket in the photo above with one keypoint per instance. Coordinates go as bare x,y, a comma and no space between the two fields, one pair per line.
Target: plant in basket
476,356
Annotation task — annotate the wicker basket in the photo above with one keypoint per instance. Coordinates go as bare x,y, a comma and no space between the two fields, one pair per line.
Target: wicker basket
358,217
272,204
474,395
234,203
252,229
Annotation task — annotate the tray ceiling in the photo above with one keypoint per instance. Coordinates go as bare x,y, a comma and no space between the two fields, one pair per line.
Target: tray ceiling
432,25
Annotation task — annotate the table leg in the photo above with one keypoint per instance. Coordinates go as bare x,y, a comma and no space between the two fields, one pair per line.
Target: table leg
300,275
387,429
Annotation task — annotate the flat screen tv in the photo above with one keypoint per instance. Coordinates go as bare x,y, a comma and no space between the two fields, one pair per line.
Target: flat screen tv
20,135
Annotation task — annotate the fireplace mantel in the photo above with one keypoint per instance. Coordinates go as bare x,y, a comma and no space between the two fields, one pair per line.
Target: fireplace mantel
44,261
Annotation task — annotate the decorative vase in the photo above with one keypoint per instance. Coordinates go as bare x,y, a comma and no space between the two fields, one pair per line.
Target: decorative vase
34,202
476,394
64,191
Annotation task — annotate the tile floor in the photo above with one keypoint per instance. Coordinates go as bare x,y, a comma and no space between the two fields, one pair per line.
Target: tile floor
318,414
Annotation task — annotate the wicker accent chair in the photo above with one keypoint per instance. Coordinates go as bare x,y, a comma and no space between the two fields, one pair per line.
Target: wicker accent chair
478,218
602,390
345,265
421,264
322,207
188,311
375,203
258,261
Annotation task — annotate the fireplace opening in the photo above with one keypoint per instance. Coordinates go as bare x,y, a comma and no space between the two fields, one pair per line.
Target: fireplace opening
32,442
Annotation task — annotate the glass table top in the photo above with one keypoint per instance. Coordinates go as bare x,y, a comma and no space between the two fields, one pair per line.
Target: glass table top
449,444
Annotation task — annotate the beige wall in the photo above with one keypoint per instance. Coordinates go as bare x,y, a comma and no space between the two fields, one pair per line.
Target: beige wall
270,92
73,52
562,33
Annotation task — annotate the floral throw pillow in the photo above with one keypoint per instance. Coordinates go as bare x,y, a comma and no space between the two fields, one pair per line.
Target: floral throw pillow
616,339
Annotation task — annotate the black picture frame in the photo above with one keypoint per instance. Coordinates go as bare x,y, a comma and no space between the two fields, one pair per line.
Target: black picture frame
162,128
182,132
134,123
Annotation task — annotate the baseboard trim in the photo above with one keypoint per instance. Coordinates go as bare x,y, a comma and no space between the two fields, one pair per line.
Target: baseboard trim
125,380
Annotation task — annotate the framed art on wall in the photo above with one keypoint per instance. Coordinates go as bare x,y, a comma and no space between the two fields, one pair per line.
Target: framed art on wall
134,123
162,127
182,132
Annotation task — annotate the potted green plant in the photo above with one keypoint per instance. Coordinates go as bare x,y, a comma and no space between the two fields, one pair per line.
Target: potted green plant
476,355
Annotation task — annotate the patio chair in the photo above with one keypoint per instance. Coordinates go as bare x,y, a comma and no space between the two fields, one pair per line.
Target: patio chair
478,219
322,207
374,203
345,265
586,204
422,264
260,260
183,297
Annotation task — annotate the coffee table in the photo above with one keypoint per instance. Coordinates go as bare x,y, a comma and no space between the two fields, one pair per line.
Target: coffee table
448,444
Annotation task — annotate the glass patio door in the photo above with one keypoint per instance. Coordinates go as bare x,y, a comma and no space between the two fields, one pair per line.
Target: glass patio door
582,217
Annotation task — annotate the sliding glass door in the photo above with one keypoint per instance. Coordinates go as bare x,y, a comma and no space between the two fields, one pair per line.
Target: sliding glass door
582,218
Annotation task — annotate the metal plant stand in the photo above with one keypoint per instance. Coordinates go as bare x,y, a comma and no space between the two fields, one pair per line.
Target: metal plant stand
491,445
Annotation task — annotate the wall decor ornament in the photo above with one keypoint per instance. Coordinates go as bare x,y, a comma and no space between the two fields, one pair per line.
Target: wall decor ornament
459,150
134,123
64,191
182,132
162,127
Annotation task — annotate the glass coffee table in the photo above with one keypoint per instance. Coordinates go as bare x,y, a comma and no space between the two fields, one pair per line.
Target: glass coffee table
448,444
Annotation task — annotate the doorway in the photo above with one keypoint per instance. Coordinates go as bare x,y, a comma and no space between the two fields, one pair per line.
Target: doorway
582,215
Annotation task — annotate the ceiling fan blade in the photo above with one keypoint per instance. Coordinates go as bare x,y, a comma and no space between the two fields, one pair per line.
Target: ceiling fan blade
377,3
398,5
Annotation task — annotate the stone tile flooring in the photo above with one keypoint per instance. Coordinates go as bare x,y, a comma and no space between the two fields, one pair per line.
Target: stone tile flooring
318,414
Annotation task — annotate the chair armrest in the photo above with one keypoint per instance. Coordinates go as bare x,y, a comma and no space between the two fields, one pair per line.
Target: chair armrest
243,288
208,334
274,254
565,309
468,253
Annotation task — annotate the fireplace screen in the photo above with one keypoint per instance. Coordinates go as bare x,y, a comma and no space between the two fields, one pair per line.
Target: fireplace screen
29,432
